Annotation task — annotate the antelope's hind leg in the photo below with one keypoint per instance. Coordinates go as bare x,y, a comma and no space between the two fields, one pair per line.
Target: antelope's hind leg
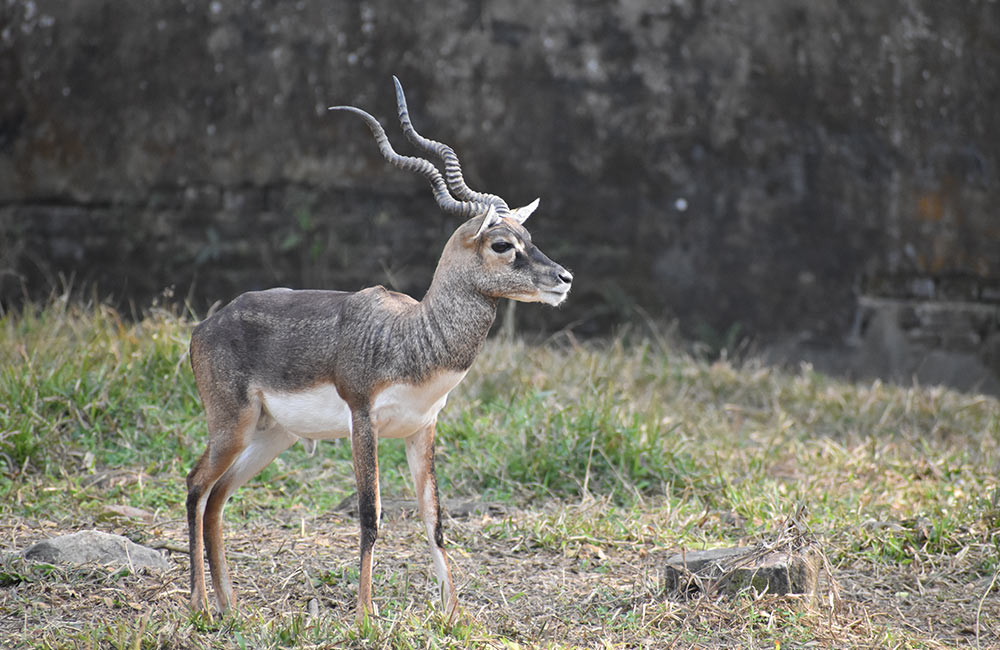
420,456
227,439
230,432
265,444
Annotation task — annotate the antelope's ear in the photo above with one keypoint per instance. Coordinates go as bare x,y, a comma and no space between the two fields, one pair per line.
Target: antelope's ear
522,213
491,219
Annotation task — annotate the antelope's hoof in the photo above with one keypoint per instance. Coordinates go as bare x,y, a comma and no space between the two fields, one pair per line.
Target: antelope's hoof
366,614
202,612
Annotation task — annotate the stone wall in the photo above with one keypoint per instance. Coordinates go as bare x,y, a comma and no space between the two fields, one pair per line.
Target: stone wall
747,168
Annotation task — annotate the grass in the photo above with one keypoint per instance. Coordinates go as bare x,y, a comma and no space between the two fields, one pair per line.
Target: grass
589,464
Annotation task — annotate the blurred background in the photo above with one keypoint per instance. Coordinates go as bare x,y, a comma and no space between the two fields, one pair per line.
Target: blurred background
800,180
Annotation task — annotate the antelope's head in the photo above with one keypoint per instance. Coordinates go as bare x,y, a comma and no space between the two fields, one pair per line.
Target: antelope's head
507,263
492,250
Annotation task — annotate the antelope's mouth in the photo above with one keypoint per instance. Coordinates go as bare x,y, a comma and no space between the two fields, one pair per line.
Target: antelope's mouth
555,295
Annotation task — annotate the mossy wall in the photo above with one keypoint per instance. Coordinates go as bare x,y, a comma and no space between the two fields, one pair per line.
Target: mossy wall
743,167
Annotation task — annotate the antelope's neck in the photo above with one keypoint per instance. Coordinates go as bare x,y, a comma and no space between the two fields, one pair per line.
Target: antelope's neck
456,319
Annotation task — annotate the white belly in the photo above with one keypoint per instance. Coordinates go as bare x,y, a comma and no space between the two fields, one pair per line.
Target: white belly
397,411
317,414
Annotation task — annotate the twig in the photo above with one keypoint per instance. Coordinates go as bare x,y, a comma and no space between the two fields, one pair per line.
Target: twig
169,546
137,642
979,610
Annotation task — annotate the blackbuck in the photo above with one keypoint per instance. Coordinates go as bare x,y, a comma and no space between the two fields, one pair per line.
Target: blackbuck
278,366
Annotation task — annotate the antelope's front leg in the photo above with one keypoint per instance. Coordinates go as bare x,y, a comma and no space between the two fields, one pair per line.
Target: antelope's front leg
420,456
364,448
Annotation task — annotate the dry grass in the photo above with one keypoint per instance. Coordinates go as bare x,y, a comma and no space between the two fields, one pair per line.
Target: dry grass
591,464
514,590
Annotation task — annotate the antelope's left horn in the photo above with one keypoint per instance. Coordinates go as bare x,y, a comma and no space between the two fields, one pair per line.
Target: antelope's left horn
452,168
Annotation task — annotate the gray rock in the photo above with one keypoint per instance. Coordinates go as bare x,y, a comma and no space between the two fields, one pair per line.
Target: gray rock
94,546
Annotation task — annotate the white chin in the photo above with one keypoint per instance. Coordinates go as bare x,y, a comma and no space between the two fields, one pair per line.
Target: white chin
552,297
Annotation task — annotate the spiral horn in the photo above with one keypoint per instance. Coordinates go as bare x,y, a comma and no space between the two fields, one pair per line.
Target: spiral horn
425,168
452,168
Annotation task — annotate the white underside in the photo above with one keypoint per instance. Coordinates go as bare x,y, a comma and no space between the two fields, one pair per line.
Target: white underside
397,411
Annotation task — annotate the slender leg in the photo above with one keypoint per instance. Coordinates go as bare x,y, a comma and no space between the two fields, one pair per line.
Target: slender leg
264,447
225,444
364,448
195,508
420,456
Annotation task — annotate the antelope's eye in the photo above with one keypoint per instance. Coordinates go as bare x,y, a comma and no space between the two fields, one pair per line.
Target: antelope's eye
502,246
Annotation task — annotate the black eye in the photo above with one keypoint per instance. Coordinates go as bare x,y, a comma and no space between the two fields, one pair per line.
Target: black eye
502,246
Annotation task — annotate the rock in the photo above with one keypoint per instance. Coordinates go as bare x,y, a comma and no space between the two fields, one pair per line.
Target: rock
98,547
731,570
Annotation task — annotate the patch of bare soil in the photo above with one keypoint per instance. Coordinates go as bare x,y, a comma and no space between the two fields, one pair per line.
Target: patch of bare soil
588,595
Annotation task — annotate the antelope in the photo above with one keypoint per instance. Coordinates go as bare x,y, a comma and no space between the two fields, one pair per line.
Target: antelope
279,366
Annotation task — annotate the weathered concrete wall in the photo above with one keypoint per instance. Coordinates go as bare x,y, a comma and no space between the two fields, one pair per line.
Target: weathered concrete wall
744,167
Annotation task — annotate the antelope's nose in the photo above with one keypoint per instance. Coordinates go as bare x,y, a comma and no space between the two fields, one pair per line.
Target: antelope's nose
565,276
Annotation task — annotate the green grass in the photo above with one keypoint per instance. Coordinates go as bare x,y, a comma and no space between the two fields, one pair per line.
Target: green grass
84,381
603,455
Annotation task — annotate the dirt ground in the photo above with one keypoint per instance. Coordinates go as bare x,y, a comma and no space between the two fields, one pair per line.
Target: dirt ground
589,596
